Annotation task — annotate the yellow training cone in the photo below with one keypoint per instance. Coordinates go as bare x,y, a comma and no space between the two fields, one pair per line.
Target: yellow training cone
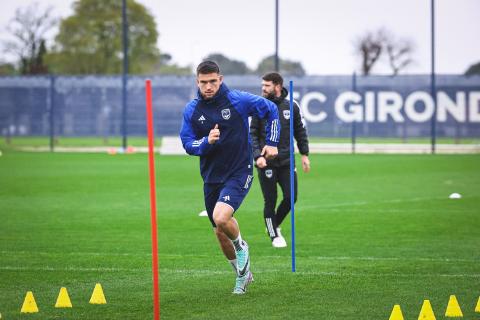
426,313
29,304
97,296
453,309
477,308
396,313
63,300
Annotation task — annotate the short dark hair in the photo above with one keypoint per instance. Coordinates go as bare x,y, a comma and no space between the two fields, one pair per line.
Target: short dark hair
275,77
207,67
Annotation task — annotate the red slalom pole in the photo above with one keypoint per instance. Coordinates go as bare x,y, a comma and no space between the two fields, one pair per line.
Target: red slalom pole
153,201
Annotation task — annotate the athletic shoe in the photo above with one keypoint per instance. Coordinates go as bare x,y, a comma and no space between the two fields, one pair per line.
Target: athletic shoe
242,282
279,242
243,260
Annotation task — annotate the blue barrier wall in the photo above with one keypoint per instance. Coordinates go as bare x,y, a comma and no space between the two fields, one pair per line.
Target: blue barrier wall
381,106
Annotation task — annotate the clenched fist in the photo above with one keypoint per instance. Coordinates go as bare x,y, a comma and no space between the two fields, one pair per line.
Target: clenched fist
214,135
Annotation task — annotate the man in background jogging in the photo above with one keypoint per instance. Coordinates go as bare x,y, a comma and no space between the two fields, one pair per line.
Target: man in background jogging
277,170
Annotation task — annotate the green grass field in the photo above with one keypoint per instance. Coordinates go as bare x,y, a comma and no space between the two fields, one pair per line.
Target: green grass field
372,231
27,141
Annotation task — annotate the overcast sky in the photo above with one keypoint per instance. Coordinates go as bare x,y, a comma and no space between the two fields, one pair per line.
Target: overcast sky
318,33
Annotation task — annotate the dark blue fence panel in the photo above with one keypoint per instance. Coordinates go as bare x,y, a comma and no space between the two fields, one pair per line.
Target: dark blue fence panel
380,106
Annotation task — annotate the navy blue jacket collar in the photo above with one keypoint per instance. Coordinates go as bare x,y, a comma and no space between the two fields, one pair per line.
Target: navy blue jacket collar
223,90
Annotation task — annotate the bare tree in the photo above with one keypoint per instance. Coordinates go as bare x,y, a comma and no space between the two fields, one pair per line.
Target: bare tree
374,44
370,47
474,69
28,28
399,53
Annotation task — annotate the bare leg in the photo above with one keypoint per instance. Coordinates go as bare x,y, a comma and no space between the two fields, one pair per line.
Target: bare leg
225,244
223,218
227,228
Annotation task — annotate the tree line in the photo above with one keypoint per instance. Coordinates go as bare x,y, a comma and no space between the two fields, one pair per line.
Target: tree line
90,42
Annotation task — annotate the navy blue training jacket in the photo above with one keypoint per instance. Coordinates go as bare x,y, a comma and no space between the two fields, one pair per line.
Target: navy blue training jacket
232,153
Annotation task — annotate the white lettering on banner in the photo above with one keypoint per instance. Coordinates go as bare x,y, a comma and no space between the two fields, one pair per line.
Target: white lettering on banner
355,111
389,103
369,106
412,100
446,105
319,117
374,106
474,106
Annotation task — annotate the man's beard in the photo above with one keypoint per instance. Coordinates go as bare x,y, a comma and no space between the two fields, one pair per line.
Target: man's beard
269,95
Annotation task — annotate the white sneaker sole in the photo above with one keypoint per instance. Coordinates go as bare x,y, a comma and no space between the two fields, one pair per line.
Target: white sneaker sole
244,290
279,242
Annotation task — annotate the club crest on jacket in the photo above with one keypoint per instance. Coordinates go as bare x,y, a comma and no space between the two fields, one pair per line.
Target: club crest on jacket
286,114
226,114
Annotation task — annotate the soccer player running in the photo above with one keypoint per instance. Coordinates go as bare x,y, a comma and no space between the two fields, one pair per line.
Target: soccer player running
273,171
215,127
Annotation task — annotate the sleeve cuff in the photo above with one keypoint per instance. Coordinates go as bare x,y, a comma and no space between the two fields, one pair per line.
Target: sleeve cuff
205,146
271,143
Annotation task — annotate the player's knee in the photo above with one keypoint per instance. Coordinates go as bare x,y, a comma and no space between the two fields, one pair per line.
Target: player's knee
220,219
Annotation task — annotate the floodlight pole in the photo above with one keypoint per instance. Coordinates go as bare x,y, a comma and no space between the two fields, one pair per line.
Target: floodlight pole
433,89
354,122
125,73
52,112
277,63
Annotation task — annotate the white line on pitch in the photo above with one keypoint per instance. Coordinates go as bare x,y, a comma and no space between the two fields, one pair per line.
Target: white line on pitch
81,269
363,203
202,272
334,258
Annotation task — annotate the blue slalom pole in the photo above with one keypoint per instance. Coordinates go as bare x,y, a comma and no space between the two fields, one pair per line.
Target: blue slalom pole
292,178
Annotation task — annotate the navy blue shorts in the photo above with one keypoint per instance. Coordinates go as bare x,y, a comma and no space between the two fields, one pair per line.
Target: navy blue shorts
231,192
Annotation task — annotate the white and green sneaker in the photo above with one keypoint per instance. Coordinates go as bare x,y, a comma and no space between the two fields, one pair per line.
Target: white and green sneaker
242,282
243,260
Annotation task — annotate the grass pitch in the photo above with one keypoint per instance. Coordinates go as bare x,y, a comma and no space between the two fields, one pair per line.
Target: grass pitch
372,231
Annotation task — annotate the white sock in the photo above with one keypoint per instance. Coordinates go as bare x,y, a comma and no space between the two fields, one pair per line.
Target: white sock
234,264
238,243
